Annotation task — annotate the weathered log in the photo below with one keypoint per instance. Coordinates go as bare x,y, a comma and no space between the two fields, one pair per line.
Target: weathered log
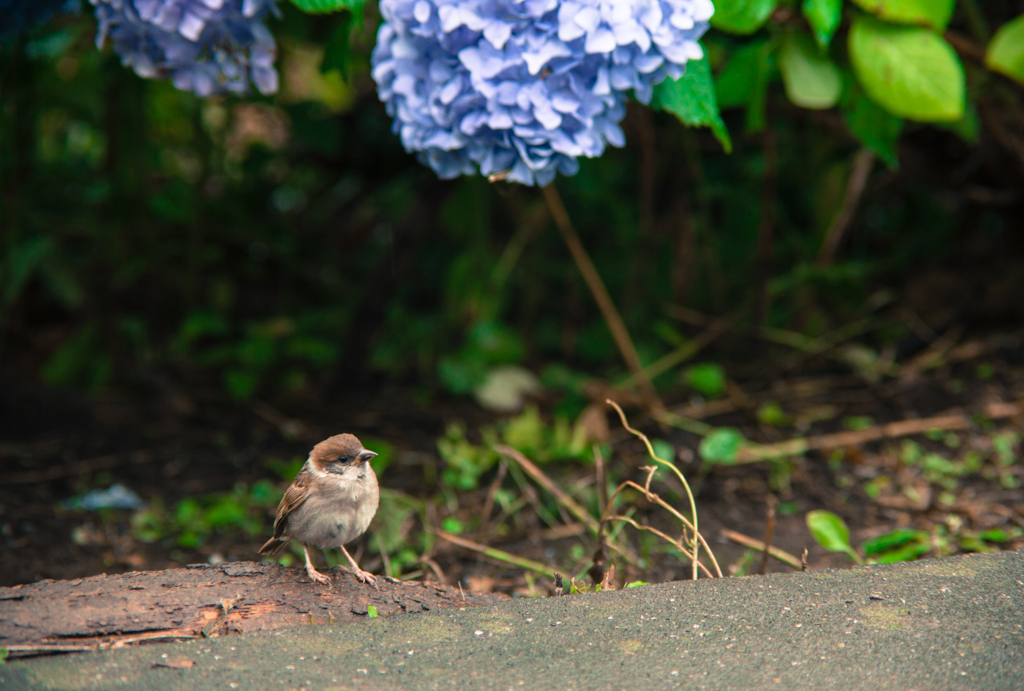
201,600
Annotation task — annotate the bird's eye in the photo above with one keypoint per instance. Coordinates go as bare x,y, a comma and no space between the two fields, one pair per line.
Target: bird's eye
342,459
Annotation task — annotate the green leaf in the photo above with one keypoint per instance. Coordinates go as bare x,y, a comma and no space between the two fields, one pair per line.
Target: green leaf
721,446
23,259
744,81
930,13
742,16
337,49
829,531
771,413
968,127
890,541
452,525
875,128
824,17
325,6
1000,535
909,71
908,552
691,98
371,612
62,284
241,384
811,79
1006,50
707,378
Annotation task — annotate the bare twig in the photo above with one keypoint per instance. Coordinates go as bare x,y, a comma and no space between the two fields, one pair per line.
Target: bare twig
932,355
782,555
55,472
683,241
602,480
654,498
892,430
768,533
966,47
831,339
670,466
601,296
687,350
113,642
766,227
667,538
495,553
544,481
995,124
289,427
485,514
862,164
532,223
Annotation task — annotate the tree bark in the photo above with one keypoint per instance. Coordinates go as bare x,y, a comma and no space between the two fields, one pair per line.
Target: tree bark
202,600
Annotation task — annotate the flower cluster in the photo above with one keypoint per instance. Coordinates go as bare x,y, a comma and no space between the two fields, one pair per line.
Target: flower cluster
524,87
18,15
204,46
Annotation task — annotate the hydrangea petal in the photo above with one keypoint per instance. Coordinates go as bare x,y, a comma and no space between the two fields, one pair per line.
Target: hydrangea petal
203,46
524,87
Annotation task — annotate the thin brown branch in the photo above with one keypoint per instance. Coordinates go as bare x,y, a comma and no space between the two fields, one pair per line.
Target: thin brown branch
654,498
495,553
766,227
1002,134
893,430
665,463
688,349
769,529
683,250
547,483
55,472
602,479
932,355
601,296
485,514
862,164
966,47
741,539
667,538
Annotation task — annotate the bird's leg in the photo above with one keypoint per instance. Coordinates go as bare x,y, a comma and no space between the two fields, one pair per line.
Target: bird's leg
313,573
364,576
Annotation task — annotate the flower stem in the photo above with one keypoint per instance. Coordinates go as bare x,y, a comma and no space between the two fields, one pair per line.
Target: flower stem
601,297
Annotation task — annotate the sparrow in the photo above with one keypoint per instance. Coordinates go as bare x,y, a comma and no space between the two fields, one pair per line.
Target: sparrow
329,504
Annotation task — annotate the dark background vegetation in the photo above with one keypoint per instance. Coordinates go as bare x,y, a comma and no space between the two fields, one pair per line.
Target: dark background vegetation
198,288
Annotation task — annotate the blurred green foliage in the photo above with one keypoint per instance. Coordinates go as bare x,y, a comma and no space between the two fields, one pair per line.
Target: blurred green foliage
193,521
831,532
528,433
275,246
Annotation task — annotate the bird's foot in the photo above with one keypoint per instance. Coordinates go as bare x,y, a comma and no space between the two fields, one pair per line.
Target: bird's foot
317,576
364,576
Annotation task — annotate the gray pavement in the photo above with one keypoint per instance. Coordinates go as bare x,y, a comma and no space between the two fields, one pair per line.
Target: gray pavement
956,623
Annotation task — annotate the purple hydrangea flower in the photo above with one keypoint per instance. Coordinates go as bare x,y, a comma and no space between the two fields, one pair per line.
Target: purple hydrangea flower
524,87
204,46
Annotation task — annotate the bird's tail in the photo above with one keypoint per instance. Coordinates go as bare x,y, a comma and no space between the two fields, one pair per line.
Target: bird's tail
273,546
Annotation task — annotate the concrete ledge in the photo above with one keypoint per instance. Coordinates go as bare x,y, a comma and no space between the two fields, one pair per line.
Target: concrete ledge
955,623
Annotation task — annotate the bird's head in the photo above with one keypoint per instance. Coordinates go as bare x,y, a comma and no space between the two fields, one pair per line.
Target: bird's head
338,453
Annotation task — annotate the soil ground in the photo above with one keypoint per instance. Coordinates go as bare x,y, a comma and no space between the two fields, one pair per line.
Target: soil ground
167,444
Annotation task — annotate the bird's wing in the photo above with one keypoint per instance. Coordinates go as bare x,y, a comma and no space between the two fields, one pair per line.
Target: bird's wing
293,499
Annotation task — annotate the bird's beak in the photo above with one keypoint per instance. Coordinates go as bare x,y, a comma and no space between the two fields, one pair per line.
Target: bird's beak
365,455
